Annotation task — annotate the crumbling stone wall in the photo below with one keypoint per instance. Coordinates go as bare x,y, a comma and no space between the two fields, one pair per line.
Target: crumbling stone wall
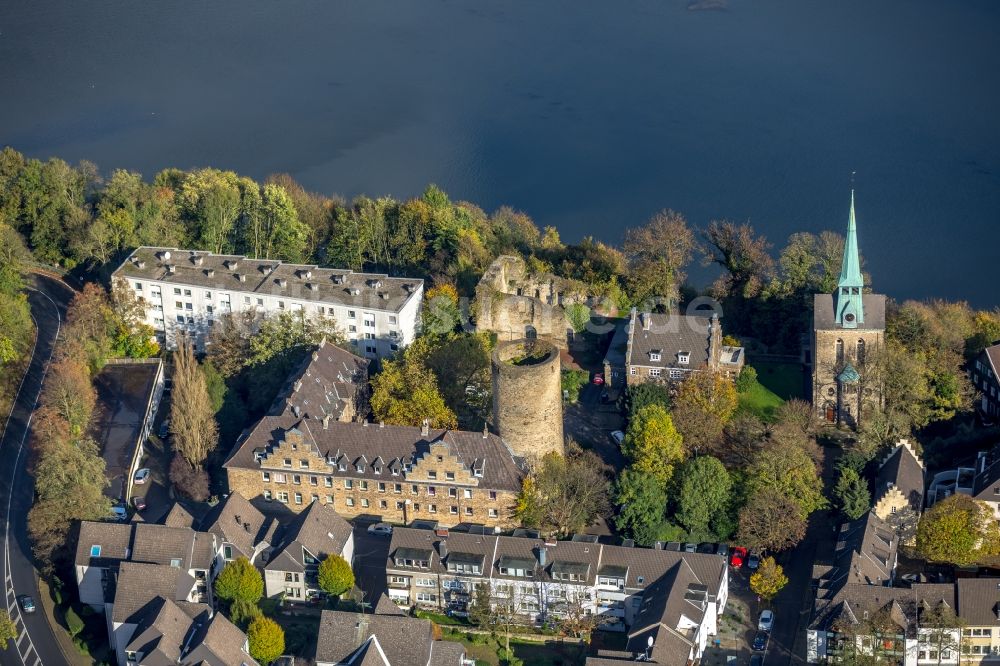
527,397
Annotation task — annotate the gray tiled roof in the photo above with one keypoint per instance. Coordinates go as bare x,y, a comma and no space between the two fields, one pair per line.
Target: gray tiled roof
115,539
446,653
825,319
178,516
406,641
904,471
669,335
851,603
210,271
329,380
865,552
139,584
160,544
235,521
318,529
392,443
161,634
979,601
218,643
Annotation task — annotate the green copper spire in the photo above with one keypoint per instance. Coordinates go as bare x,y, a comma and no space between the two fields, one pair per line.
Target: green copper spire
850,311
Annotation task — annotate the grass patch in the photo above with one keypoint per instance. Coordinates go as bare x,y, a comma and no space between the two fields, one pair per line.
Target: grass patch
441,619
785,380
760,401
533,653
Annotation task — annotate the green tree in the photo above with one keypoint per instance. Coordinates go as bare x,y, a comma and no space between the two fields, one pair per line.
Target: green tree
959,530
769,578
852,494
704,404
703,499
266,640
641,395
406,393
642,502
8,630
240,584
441,313
790,471
335,575
770,521
192,416
653,444
210,202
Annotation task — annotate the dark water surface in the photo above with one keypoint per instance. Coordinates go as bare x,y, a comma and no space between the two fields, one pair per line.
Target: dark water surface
589,115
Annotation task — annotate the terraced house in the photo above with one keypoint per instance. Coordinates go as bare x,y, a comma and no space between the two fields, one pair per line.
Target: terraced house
393,473
185,291
673,597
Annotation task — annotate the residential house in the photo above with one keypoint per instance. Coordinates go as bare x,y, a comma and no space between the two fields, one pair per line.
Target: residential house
546,580
979,608
865,554
185,292
391,473
240,529
668,347
981,481
308,539
382,640
330,383
986,379
899,490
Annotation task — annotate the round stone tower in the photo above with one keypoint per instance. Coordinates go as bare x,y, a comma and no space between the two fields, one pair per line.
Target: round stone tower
527,396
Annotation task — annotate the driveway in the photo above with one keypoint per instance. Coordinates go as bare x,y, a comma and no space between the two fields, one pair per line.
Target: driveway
590,423
370,554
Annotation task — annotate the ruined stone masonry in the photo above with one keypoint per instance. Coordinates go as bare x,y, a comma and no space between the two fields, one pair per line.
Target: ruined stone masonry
527,397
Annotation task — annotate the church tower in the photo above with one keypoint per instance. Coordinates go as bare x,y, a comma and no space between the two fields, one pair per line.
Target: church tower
848,332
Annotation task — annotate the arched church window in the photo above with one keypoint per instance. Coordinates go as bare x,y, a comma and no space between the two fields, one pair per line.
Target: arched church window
840,351
861,351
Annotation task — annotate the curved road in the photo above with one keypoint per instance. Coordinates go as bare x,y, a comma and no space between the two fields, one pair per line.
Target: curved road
36,643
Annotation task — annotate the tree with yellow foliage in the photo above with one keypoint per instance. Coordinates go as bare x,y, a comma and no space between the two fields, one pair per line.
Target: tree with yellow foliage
769,578
653,444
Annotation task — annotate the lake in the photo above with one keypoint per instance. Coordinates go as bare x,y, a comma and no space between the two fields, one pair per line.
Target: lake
587,115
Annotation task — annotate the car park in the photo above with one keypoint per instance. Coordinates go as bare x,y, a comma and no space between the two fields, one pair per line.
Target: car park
139,502
738,557
766,621
27,603
141,476
708,548
618,437
760,641
380,528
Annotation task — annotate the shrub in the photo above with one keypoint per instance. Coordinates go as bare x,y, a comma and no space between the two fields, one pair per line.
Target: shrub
747,379
335,575
266,640
73,622
189,481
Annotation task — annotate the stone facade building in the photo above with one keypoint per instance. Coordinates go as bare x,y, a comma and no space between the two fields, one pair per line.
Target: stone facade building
392,473
667,347
527,397
515,304
848,334
899,490
330,382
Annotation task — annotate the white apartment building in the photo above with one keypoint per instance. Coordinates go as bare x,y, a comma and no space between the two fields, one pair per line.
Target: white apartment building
185,291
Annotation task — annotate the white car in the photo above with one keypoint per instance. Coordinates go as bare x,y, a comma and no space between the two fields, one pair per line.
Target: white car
766,621
618,436
141,476
380,528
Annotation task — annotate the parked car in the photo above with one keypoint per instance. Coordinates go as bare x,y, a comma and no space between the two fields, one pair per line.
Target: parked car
738,557
690,547
766,621
760,641
27,603
119,512
139,502
708,548
164,429
618,436
753,561
141,476
675,546
599,378
380,528
722,549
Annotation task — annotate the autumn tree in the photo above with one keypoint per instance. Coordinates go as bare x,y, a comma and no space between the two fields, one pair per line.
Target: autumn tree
441,313
658,254
742,254
335,575
704,404
241,586
68,391
769,578
265,640
642,502
790,471
460,363
959,530
8,630
653,444
192,419
405,392
703,499
564,494
770,521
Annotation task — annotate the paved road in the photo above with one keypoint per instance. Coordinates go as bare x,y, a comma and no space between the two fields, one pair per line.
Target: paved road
36,644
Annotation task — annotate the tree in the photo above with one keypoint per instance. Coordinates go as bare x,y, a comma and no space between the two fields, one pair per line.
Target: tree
461,365
8,630
703,499
653,444
441,313
940,628
564,494
743,255
769,578
499,606
69,393
406,393
704,404
959,530
575,618
266,640
658,254
743,439
190,480
642,502
240,584
481,607
792,472
852,494
770,521
647,393
192,418
335,575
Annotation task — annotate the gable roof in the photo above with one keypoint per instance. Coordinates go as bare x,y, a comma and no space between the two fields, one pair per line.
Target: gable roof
392,640
401,444
979,601
139,584
161,634
856,603
318,529
159,544
865,552
329,381
235,521
903,470
114,539
178,516
668,335
218,643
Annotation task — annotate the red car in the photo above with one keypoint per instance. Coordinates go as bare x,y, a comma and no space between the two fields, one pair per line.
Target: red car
738,556
598,378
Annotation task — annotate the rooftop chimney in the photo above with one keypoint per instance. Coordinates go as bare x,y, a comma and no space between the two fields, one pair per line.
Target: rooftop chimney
381,424
171,269
425,428
231,264
486,431
282,282
197,261
543,555
646,316
241,277
443,548
210,272
326,421
140,264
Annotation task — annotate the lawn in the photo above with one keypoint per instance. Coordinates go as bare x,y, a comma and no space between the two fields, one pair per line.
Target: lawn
484,648
761,401
785,380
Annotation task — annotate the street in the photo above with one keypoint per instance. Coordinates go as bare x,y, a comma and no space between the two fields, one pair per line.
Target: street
36,643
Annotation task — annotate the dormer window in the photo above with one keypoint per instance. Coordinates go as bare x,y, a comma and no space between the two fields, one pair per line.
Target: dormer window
376,469
360,467
478,472
342,467
684,358
655,355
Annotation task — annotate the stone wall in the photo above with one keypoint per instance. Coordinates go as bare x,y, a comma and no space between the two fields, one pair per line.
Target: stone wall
527,398
848,408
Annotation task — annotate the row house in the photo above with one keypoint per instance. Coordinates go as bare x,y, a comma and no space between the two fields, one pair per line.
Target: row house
383,639
668,347
185,291
986,379
392,473
545,580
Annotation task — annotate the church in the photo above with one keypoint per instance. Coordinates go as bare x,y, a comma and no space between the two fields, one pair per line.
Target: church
848,333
